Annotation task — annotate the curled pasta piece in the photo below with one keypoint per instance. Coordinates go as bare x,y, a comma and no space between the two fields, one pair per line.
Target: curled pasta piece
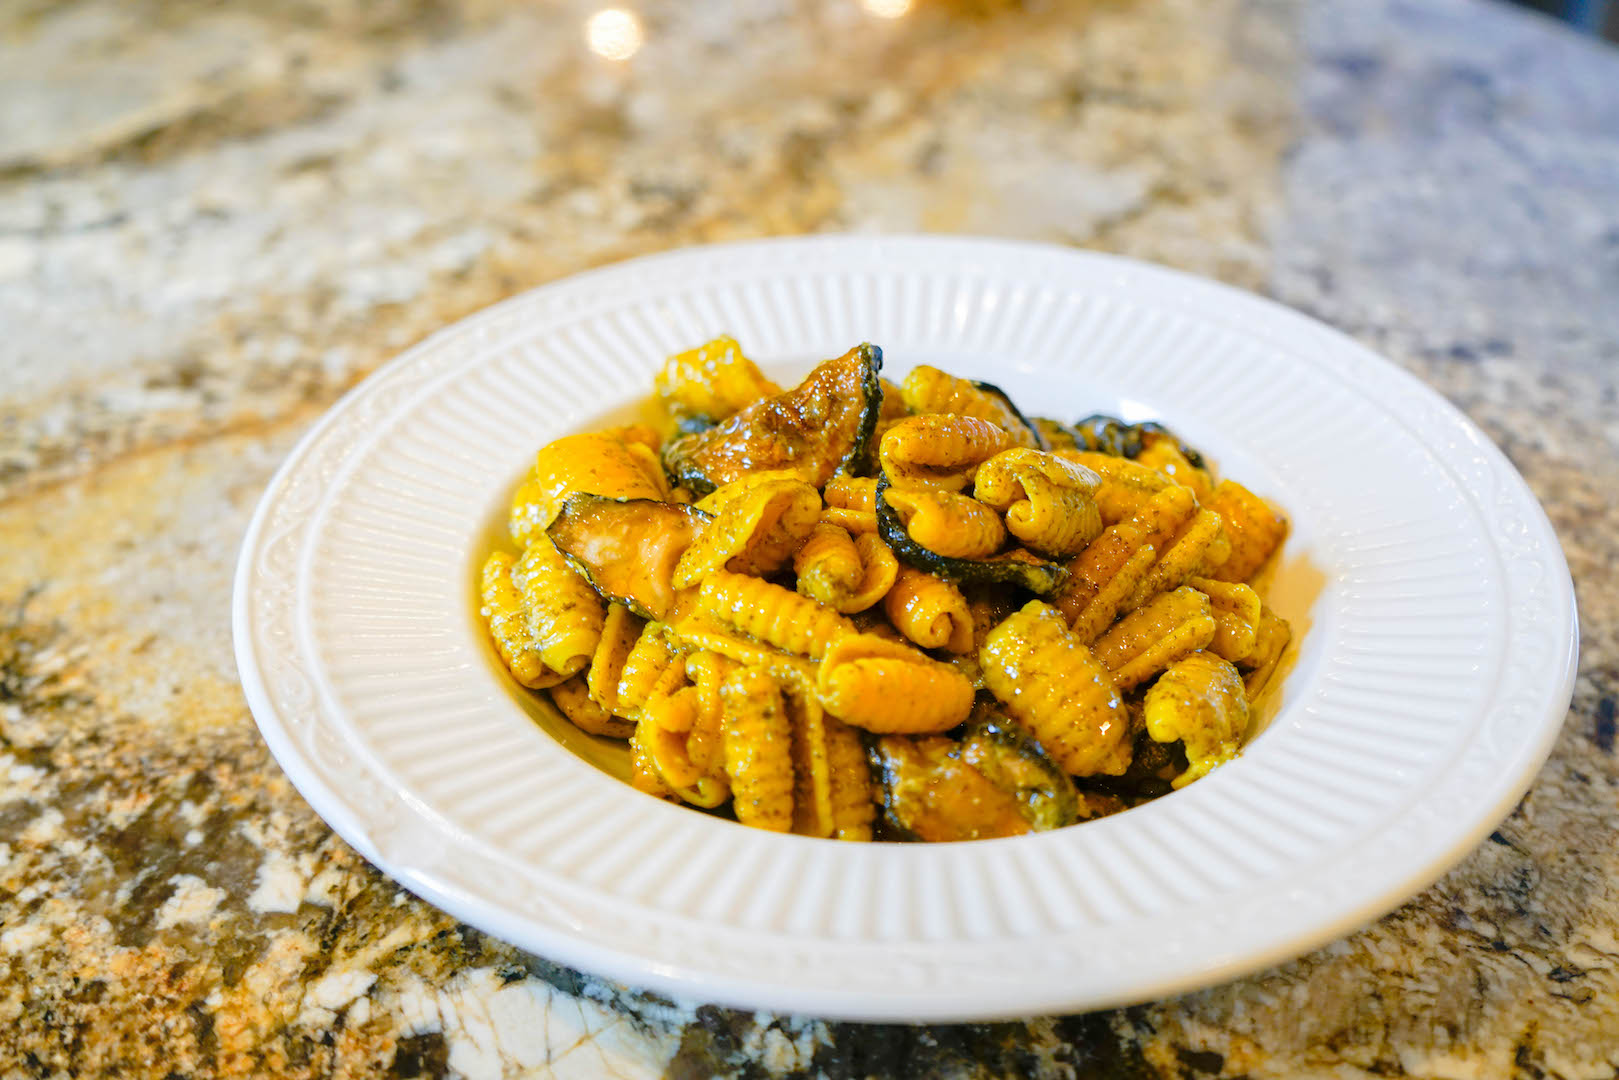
664,729
929,611
705,742
851,493
1126,487
939,450
1052,685
564,612
711,381
1269,646
1161,451
948,524
827,566
600,463
755,530
1237,613
928,390
620,631
1048,501
1200,701
758,750
652,666
771,614
507,618
847,574
891,688
851,504
1147,641
644,775
572,698
1255,528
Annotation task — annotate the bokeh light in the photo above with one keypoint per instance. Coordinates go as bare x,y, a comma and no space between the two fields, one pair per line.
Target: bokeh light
614,33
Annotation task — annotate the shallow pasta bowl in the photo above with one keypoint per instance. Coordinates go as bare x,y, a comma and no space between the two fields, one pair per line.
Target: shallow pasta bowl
1433,664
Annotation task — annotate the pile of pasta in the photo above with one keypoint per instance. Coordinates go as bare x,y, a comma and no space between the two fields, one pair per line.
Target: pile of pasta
815,604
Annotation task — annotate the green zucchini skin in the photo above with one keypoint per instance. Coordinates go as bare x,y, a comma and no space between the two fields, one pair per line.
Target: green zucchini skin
1110,435
1040,440
1014,568
764,435
622,569
1015,762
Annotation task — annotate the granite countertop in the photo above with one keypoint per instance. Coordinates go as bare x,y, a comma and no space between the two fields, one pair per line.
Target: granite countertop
216,217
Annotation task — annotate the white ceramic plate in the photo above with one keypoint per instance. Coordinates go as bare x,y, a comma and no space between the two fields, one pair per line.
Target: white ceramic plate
1434,670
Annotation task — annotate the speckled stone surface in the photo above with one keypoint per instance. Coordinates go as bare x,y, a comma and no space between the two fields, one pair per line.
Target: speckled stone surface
215,217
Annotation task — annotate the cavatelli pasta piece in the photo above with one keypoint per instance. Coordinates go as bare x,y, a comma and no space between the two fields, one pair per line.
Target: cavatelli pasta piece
1200,701
758,750
507,618
948,524
1162,452
878,569
851,493
891,688
664,729
564,612
711,382
593,462
1052,685
702,632
849,778
827,566
929,390
1147,641
652,665
755,530
1103,576
851,504
644,775
771,614
1127,487
812,770
620,631
1237,613
1270,644
572,698
705,742
939,450
1188,555
1047,501
1255,528
929,611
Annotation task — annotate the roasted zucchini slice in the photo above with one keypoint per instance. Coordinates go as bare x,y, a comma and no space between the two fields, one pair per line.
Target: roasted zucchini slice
627,548
819,429
1012,568
931,793
1011,759
1110,435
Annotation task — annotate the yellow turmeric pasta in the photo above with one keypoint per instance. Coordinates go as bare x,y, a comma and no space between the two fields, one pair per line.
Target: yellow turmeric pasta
857,610
929,611
939,450
758,750
929,390
771,614
948,524
564,612
1048,501
1053,686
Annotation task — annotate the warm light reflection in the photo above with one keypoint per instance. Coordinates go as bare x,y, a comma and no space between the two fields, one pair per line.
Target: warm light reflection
886,9
614,33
